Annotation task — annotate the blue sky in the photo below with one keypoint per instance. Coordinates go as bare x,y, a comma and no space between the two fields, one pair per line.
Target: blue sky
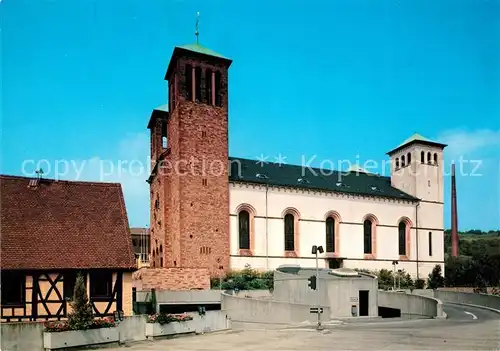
338,80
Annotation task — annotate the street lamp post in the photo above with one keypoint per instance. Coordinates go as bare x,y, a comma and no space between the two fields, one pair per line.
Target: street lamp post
394,263
315,251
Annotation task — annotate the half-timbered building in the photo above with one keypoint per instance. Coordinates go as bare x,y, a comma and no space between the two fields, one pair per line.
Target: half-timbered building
53,230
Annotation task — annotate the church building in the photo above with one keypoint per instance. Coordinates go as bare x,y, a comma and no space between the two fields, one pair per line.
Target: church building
220,213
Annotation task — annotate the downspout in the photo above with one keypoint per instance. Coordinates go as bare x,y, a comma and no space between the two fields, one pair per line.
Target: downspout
416,231
415,164
267,235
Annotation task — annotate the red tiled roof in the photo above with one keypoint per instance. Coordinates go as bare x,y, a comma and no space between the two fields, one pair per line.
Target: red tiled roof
63,224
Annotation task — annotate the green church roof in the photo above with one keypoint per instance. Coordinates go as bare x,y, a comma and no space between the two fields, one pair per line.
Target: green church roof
416,138
198,49
355,181
202,50
163,108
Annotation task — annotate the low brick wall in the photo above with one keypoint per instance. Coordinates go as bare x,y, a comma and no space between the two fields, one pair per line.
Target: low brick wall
171,279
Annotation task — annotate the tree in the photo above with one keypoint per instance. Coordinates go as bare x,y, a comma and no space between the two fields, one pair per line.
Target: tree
419,284
405,280
81,316
436,279
385,279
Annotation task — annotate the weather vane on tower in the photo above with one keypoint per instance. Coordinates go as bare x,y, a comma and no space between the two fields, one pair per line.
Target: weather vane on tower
197,32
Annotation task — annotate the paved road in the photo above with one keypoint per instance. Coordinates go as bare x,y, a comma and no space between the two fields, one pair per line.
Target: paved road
466,313
460,332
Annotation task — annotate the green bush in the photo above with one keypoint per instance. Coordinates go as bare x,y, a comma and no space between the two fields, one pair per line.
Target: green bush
245,279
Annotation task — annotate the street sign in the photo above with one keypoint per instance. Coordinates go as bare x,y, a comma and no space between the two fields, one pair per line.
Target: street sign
315,310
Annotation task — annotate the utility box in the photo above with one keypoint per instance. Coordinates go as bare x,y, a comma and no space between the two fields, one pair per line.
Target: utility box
354,310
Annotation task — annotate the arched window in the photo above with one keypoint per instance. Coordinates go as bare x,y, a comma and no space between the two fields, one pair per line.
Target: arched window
397,163
402,238
244,230
408,158
289,232
403,161
330,234
367,236
428,157
435,158
422,157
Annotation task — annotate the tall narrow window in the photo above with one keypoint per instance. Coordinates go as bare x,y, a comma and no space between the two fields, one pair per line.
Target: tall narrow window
330,234
218,100
428,157
170,96
422,157
197,82
430,243
244,230
397,163
289,232
208,87
367,236
408,158
189,82
435,159
403,161
402,238
173,89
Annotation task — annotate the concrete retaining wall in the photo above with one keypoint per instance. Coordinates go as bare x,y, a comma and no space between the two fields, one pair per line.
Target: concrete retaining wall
29,336
340,294
485,300
195,296
466,289
412,306
22,336
265,311
422,292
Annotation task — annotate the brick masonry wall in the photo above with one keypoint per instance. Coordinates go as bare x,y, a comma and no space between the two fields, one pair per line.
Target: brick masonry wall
192,183
171,279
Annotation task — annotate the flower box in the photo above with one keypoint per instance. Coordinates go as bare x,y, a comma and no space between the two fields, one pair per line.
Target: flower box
74,338
154,330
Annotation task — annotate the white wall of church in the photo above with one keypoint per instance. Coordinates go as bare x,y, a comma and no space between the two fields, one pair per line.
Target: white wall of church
268,245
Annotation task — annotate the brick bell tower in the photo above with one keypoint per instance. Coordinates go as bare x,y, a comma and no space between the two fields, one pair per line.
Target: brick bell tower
189,185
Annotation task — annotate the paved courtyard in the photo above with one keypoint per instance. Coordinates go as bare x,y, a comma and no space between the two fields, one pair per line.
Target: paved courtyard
379,335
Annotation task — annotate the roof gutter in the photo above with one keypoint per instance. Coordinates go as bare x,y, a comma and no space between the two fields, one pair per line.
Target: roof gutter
416,234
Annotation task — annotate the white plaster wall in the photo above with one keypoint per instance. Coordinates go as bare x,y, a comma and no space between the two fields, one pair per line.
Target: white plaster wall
421,180
268,246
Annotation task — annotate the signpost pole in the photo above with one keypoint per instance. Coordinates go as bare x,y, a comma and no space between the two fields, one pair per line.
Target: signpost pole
317,293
